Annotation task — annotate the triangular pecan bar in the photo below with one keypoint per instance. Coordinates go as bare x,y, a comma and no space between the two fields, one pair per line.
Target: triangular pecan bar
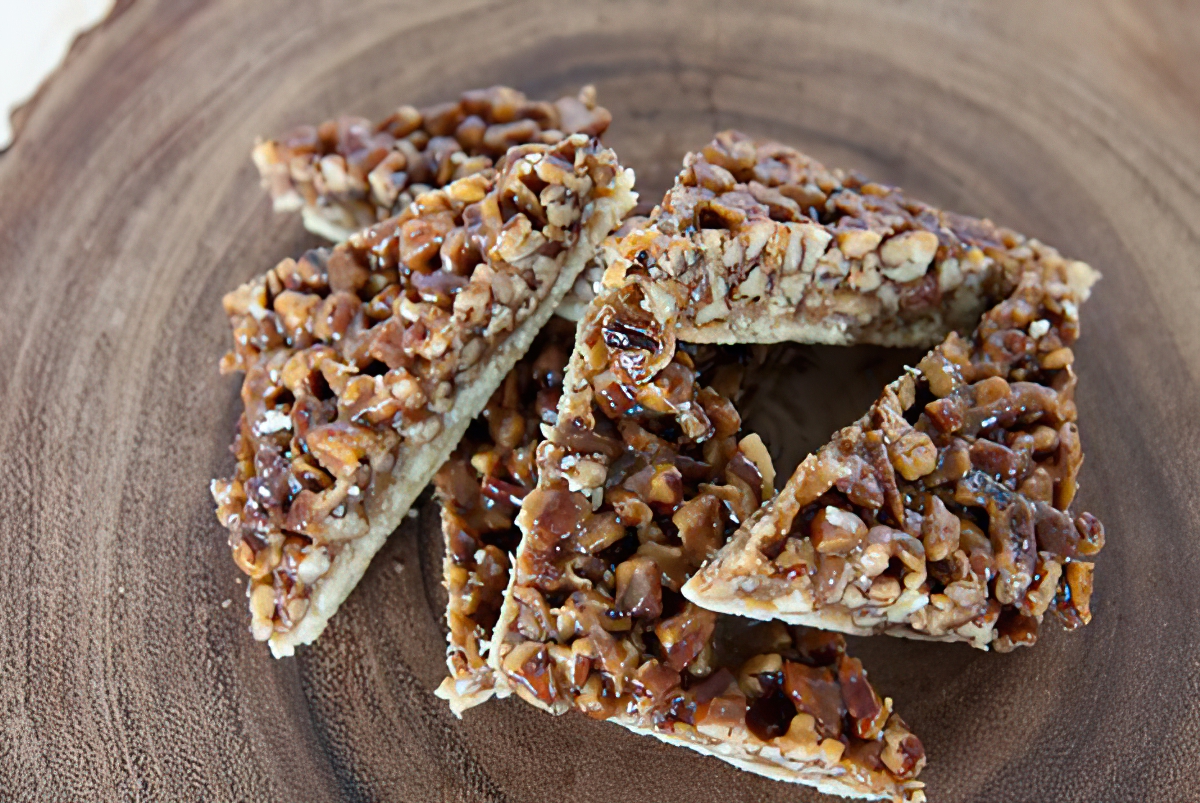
758,243
480,489
366,362
943,512
348,173
642,478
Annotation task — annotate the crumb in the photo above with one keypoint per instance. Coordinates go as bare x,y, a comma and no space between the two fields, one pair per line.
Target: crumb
412,513
398,566
120,589
226,603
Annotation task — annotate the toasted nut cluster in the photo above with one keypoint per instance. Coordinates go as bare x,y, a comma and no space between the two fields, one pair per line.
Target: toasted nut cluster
354,354
642,480
757,242
480,488
943,511
349,173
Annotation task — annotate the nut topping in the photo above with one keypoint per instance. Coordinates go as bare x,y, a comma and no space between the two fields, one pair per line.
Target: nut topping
349,173
642,479
943,512
354,357
756,242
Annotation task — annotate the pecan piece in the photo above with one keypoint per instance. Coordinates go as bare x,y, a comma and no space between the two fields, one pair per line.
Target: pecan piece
815,691
684,635
835,531
639,587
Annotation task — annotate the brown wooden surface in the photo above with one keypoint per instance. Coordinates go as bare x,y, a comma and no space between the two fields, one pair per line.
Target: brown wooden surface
128,206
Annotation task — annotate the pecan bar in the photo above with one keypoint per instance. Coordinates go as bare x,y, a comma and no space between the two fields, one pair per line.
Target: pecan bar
757,242
943,512
348,173
481,488
641,480
365,364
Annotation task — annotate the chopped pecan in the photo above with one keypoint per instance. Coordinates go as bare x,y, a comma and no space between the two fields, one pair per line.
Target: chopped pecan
639,587
815,691
836,532
684,635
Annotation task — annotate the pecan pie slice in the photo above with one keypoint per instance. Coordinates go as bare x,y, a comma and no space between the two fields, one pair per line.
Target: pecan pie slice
348,173
642,478
480,489
757,242
943,512
366,362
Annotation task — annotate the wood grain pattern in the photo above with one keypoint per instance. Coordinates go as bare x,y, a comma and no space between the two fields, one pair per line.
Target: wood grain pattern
128,206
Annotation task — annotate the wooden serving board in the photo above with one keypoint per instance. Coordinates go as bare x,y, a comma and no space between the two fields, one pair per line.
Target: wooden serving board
128,206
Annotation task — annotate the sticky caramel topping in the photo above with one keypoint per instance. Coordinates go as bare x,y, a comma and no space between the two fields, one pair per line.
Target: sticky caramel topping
355,352
481,488
944,511
642,481
351,172
756,242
